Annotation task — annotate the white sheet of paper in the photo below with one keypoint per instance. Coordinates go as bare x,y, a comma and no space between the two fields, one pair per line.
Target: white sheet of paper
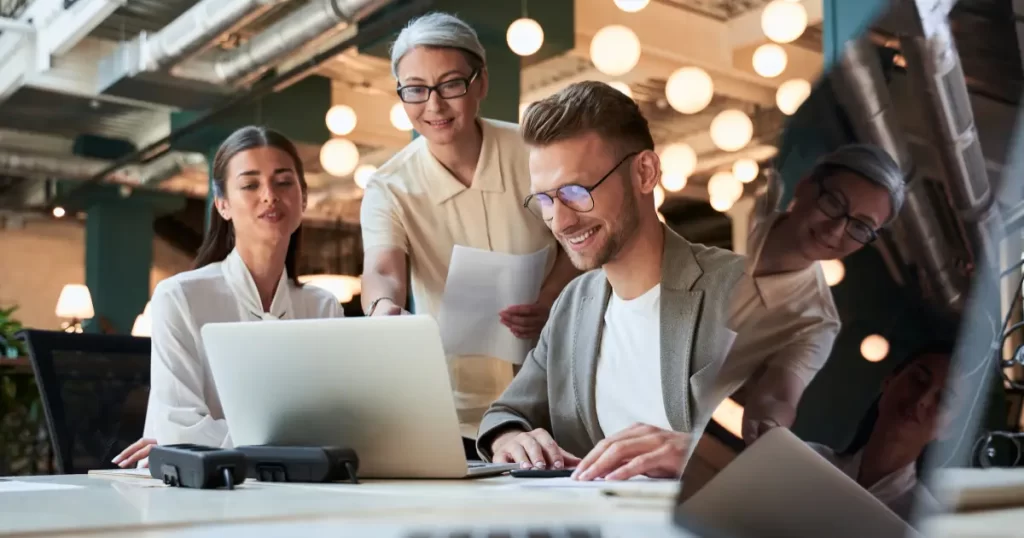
18,486
481,284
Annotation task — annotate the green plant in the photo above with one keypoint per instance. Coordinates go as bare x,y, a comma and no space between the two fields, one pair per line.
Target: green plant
10,345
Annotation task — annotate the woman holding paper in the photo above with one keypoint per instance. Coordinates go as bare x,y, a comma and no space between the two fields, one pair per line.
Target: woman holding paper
245,271
890,441
459,184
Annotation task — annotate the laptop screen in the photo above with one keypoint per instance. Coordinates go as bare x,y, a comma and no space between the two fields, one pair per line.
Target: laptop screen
889,177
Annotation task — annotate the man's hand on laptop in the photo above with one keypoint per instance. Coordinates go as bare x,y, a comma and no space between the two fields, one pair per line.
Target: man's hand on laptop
135,453
531,450
641,449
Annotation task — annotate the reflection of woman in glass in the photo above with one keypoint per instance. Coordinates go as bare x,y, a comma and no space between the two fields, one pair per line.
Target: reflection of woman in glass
889,444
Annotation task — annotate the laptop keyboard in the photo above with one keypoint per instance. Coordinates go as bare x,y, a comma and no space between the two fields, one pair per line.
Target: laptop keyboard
564,532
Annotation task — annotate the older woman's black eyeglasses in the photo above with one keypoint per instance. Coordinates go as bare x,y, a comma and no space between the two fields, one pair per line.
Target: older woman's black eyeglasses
449,89
575,197
834,207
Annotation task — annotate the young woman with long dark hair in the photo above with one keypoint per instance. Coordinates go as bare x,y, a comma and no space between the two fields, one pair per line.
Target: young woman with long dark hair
886,450
245,271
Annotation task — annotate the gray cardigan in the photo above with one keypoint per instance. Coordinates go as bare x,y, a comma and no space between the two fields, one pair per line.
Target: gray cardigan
555,388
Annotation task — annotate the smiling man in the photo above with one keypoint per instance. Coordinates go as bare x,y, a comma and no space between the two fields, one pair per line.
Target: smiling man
624,364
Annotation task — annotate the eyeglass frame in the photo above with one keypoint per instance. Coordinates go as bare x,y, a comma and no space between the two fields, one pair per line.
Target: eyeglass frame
845,215
589,190
431,89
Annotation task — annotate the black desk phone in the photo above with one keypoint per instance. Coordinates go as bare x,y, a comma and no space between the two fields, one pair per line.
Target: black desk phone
196,466
204,467
301,464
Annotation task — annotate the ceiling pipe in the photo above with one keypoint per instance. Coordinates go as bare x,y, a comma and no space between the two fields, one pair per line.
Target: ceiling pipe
189,34
366,35
197,29
936,74
921,232
16,162
281,39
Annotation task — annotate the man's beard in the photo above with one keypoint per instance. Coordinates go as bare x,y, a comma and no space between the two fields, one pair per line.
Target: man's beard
626,223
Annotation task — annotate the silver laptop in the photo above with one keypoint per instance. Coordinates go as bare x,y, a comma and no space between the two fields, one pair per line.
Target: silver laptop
377,385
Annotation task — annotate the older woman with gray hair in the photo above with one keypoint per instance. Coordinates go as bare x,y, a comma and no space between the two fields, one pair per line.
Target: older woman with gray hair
782,310
460,183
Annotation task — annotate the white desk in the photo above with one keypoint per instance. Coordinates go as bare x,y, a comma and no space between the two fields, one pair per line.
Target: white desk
108,507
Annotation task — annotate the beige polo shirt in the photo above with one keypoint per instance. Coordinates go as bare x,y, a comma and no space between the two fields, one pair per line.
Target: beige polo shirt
414,203
787,320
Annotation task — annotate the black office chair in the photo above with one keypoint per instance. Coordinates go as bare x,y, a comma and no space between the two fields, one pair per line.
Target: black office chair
95,389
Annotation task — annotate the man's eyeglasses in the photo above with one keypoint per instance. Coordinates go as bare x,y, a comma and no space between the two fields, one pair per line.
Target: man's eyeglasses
835,207
449,89
575,197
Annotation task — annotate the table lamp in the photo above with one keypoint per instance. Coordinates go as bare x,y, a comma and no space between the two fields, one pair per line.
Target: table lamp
142,326
74,304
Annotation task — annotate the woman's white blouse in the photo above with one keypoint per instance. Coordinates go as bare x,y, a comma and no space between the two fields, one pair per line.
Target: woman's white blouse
183,403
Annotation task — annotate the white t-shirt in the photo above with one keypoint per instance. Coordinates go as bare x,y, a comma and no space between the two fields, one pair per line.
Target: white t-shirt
628,385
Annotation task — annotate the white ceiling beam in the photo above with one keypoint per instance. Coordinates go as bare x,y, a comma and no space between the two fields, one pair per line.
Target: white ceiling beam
74,24
745,30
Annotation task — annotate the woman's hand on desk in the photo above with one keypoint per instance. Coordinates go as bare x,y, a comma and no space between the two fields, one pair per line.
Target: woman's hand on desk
138,451
531,450
641,449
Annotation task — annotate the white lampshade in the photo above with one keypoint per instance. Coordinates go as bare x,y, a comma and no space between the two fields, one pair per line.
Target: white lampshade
339,157
874,348
770,60
661,217
344,287
784,21
341,119
524,36
731,130
399,118
678,158
75,302
721,204
689,90
363,174
724,186
659,196
791,94
834,271
745,170
58,212
622,87
673,181
631,6
615,50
